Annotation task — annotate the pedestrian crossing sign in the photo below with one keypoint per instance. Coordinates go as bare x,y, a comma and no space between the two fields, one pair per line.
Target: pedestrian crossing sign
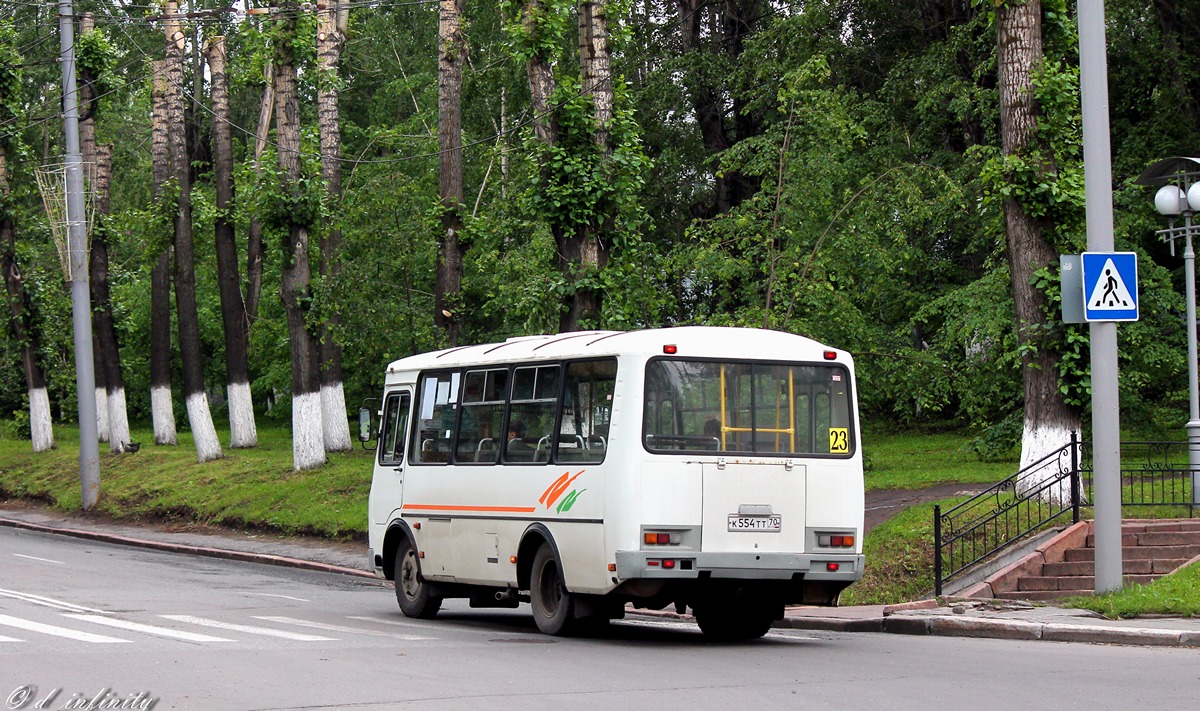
1110,288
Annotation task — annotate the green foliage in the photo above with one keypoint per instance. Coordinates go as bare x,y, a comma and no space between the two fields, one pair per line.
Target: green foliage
95,60
537,32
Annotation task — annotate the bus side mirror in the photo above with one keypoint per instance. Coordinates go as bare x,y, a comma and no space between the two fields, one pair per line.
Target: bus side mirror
365,430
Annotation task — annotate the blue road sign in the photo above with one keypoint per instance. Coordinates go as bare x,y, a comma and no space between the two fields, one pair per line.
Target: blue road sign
1110,288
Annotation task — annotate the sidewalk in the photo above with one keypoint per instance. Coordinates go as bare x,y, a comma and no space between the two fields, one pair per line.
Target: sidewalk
961,617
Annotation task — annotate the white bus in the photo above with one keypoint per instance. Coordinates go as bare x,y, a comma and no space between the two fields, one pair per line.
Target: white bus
717,469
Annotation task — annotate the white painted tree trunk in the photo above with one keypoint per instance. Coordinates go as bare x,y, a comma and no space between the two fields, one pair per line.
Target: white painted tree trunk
102,414
242,430
208,447
308,440
1039,441
163,411
118,421
41,428
334,422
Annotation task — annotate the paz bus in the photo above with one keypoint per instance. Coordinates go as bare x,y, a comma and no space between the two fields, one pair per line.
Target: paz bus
716,469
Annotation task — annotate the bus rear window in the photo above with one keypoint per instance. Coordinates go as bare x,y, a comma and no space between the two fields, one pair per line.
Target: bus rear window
747,408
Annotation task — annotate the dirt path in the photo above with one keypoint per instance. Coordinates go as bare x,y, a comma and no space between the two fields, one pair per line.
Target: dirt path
882,504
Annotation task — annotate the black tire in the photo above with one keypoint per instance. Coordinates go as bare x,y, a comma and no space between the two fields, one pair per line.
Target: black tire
553,607
412,592
733,624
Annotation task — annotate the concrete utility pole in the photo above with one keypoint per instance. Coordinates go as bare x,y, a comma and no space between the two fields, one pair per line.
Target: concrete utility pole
81,306
1097,175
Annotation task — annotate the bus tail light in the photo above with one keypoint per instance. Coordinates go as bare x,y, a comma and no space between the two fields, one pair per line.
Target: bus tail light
829,540
830,355
661,538
670,349
668,563
832,567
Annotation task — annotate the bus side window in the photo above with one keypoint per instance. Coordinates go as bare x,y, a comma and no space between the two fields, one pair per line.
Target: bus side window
395,424
531,413
479,432
586,410
436,418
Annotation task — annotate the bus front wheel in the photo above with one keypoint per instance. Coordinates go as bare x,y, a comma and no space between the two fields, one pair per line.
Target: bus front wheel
412,592
553,606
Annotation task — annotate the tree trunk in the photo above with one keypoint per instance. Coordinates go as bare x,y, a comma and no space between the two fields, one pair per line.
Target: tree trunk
308,445
541,82
336,425
242,430
208,447
1048,419
452,49
102,314
41,429
254,243
161,405
586,252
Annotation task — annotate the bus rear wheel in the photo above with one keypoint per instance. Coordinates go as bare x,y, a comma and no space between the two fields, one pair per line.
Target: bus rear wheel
553,607
412,592
735,622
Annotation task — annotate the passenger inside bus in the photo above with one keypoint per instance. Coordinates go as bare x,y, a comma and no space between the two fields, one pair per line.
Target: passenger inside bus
712,428
517,449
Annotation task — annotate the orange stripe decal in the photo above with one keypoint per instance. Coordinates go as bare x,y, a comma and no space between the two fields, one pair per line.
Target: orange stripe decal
488,509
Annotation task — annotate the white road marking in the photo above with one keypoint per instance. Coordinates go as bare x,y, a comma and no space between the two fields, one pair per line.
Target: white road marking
339,628
48,602
149,629
58,631
382,621
249,629
34,557
285,597
9,639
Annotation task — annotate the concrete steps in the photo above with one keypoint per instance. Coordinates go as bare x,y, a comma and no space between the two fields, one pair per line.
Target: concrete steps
1065,565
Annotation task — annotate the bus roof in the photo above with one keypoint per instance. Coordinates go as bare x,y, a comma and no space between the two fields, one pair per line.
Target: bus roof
694,341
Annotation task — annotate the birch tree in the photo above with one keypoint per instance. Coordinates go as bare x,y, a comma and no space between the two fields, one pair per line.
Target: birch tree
20,317
162,407
208,446
308,443
1048,420
97,158
242,430
452,55
335,424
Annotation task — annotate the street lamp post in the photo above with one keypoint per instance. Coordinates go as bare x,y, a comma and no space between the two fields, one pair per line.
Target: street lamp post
1180,196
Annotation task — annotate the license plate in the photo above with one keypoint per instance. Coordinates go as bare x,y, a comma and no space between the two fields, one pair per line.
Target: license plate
770,524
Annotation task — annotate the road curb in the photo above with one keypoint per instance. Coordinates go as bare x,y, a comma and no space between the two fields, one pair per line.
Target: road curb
244,556
985,627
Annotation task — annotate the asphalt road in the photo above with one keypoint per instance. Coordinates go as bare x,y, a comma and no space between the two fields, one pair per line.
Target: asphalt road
90,623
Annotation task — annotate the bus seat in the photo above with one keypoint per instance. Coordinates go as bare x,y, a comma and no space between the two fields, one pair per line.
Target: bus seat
486,450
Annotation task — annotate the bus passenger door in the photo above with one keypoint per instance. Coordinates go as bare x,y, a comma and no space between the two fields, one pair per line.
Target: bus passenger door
387,485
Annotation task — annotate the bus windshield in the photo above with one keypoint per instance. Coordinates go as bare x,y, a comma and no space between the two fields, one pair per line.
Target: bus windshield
747,408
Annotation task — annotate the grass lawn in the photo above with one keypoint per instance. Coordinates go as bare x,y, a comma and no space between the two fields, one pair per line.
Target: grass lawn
915,461
1176,594
247,488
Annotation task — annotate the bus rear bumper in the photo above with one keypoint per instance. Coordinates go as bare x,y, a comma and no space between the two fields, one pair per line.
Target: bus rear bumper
685,565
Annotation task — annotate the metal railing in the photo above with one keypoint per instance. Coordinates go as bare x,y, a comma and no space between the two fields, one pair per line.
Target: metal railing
1046,492
1043,492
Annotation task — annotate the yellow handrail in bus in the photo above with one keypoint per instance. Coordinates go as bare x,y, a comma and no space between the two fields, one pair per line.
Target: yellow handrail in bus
790,430
723,428
792,406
